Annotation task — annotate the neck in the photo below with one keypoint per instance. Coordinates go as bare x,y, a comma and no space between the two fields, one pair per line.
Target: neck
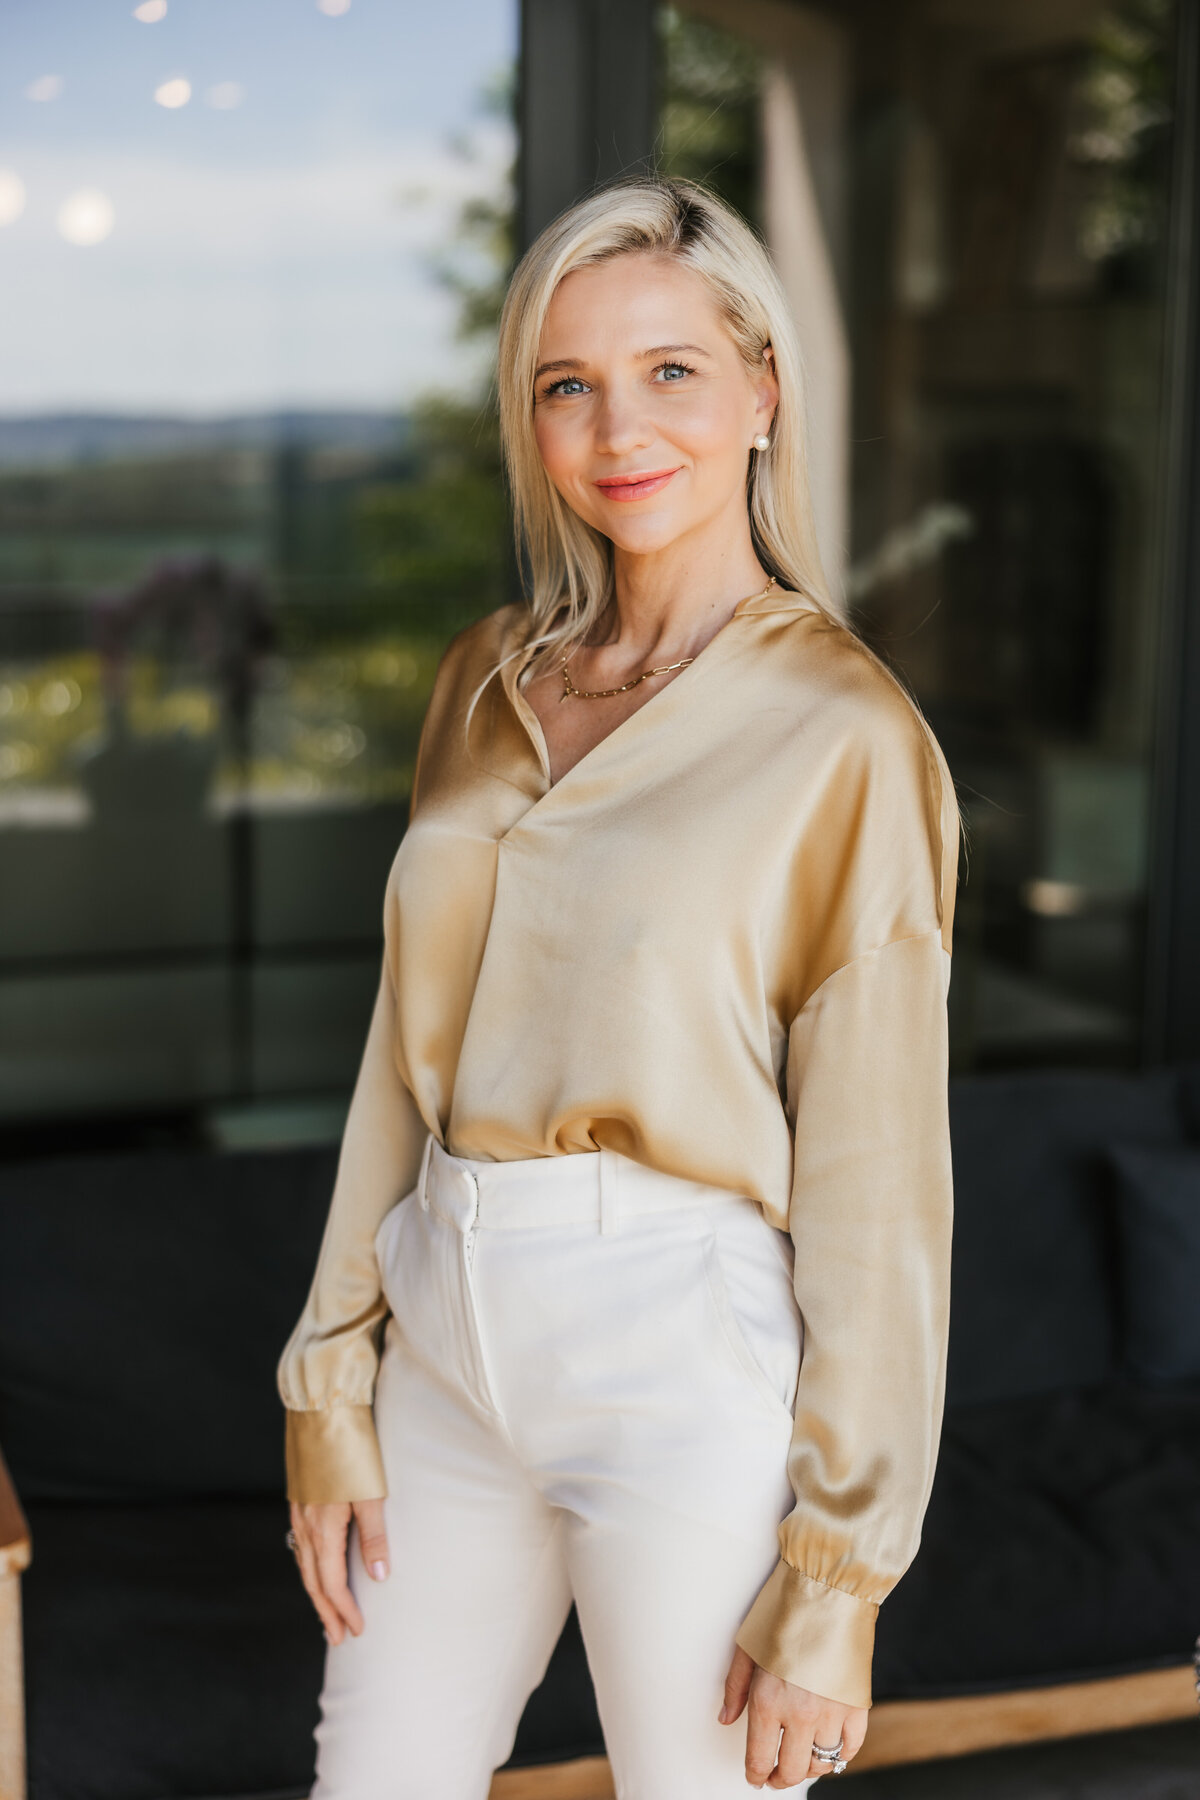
669,602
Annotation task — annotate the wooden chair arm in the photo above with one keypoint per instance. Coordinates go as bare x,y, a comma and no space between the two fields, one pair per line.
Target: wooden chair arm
15,1551
15,1547
913,1731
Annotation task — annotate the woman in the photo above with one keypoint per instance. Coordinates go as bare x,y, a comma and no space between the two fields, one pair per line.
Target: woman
647,1165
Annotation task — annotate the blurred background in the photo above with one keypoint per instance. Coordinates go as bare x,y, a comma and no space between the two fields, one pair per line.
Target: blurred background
252,262
252,258
252,255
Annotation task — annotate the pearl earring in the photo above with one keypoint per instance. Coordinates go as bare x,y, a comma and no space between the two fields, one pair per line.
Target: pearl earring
762,443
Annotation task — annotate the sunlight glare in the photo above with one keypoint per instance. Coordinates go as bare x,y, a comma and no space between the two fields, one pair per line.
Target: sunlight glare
176,92
86,217
12,196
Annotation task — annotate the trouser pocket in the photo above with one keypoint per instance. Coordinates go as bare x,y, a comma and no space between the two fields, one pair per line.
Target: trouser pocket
749,1271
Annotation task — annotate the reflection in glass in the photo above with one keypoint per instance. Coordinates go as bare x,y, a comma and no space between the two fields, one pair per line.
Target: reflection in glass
968,206
249,486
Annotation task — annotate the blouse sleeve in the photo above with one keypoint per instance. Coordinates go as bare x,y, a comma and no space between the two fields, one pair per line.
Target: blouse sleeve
327,1370
326,1374
870,1216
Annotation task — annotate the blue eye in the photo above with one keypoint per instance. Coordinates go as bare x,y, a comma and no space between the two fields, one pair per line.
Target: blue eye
567,386
560,386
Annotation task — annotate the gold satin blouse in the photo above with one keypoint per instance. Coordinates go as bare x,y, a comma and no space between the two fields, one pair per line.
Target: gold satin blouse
718,944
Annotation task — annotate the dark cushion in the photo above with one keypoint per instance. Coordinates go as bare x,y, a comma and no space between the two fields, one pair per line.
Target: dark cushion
171,1651
144,1302
144,1299
1033,1294
1059,1543
1158,1214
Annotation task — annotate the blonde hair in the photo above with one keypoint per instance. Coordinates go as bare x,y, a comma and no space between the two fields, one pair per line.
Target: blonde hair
568,563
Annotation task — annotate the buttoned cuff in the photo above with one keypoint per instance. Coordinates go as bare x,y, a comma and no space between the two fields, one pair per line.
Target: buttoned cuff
333,1455
813,1635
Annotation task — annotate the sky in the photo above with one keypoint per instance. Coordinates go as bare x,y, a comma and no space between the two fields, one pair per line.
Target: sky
266,242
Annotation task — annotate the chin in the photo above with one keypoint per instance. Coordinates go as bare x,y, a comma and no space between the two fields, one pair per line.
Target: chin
642,536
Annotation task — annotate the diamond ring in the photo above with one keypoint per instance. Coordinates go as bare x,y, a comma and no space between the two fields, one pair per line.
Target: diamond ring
833,1755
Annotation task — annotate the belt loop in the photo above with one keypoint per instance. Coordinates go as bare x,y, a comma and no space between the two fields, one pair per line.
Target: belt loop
423,1177
610,1194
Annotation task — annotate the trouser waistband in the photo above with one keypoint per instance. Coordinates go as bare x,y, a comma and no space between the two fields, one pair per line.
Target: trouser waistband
599,1185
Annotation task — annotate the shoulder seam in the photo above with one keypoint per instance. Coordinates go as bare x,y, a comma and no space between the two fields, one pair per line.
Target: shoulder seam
912,937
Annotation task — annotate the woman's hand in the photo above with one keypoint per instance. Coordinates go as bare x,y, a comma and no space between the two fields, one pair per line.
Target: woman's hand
804,1719
321,1553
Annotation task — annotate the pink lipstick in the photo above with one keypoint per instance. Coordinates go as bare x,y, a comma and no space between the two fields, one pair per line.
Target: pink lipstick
634,487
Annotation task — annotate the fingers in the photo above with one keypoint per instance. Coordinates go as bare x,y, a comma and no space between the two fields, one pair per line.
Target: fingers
306,1561
321,1556
805,1720
796,1754
762,1734
834,1724
331,1569
854,1730
372,1537
737,1686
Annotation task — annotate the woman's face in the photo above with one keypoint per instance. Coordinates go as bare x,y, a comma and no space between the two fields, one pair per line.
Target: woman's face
644,411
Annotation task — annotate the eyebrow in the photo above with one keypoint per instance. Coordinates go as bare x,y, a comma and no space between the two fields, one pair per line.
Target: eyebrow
571,362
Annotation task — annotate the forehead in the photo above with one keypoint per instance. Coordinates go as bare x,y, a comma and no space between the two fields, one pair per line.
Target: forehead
630,304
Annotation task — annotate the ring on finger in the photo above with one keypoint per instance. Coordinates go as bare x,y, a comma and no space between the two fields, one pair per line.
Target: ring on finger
833,1755
292,1542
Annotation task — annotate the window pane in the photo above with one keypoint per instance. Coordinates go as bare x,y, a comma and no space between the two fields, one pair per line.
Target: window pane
251,259
967,202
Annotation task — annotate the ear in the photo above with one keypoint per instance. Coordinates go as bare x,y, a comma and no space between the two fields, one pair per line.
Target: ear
766,388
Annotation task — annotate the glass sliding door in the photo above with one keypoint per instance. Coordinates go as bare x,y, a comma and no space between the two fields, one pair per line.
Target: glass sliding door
251,259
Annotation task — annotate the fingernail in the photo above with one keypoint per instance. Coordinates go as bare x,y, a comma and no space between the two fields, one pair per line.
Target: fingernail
379,1571
723,1716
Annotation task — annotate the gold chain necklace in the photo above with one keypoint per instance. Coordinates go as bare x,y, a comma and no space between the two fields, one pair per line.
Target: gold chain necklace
570,689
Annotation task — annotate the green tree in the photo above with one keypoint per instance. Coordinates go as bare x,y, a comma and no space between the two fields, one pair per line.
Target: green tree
709,123
443,537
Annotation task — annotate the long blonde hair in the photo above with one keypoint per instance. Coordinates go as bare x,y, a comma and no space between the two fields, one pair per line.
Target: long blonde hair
568,564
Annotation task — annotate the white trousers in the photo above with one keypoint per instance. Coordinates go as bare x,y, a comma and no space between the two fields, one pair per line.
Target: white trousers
586,1391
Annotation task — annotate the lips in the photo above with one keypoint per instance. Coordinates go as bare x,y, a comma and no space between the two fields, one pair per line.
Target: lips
637,486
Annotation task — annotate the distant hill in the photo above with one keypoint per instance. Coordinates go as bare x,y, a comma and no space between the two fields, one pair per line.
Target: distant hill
55,440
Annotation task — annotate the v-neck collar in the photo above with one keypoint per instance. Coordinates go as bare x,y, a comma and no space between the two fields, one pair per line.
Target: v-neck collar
772,600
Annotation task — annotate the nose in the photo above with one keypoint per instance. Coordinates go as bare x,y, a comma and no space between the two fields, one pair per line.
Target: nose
621,426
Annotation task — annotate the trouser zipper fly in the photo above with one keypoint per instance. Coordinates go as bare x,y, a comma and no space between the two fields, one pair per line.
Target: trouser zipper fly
473,1223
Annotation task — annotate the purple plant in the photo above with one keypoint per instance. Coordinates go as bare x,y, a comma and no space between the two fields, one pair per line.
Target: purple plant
197,609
